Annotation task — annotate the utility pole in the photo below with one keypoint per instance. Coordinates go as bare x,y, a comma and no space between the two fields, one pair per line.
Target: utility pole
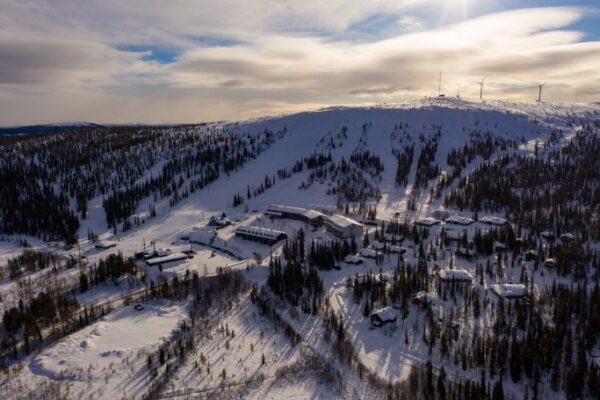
541,85
440,86
481,89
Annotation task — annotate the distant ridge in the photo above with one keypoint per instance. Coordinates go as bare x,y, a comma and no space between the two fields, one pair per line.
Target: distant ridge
46,128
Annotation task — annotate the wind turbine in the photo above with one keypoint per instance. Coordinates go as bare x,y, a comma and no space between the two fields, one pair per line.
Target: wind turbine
481,89
540,85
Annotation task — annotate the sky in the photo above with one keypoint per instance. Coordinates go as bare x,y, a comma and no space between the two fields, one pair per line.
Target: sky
153,61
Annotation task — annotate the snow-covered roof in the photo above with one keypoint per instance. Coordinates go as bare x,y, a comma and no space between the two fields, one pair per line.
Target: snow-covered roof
460,275
396,249
385,314
390,237
550,262
377,245
105,244
350,259
490,220
277,209
427,221
365,252
457,219
259,231
202,236
166,259
423,297
509,290
567,236
341,221
375,278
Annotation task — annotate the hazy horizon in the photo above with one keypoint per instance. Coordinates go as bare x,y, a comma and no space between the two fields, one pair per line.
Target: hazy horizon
186,62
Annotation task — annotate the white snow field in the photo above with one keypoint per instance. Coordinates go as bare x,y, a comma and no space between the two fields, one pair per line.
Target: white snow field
106,359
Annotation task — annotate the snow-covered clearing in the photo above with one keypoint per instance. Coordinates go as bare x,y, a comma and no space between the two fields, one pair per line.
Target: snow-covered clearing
106,359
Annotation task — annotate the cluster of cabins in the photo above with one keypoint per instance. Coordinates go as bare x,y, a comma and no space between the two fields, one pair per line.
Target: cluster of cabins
508,291
440,215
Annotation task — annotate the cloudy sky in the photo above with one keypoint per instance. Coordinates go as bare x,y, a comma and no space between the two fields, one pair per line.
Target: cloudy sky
156,61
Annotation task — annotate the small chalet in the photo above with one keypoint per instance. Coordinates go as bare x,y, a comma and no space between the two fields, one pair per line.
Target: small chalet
367,253
509,290
422,299
395,249
550,263
496,221
458,220
455,275
383,316
105,244
219,221
350,259
427,222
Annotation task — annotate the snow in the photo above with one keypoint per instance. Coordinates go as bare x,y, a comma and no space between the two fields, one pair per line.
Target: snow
350,259
457,275
491,220
120,336
167,259
368,253
341,221
385,314
459,220
105,244
509,290
99,358
260,232
300,211
427,221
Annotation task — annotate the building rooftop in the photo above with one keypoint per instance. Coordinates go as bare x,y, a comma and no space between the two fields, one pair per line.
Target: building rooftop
307,212
427,221
492,220
259,231
509,290
455,275
341,221
385,314
457,219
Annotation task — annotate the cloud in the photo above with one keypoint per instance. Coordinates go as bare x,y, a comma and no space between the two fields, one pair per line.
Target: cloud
409,62
133,61
410,23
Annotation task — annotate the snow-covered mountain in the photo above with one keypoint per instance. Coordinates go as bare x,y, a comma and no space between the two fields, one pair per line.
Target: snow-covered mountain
477,255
